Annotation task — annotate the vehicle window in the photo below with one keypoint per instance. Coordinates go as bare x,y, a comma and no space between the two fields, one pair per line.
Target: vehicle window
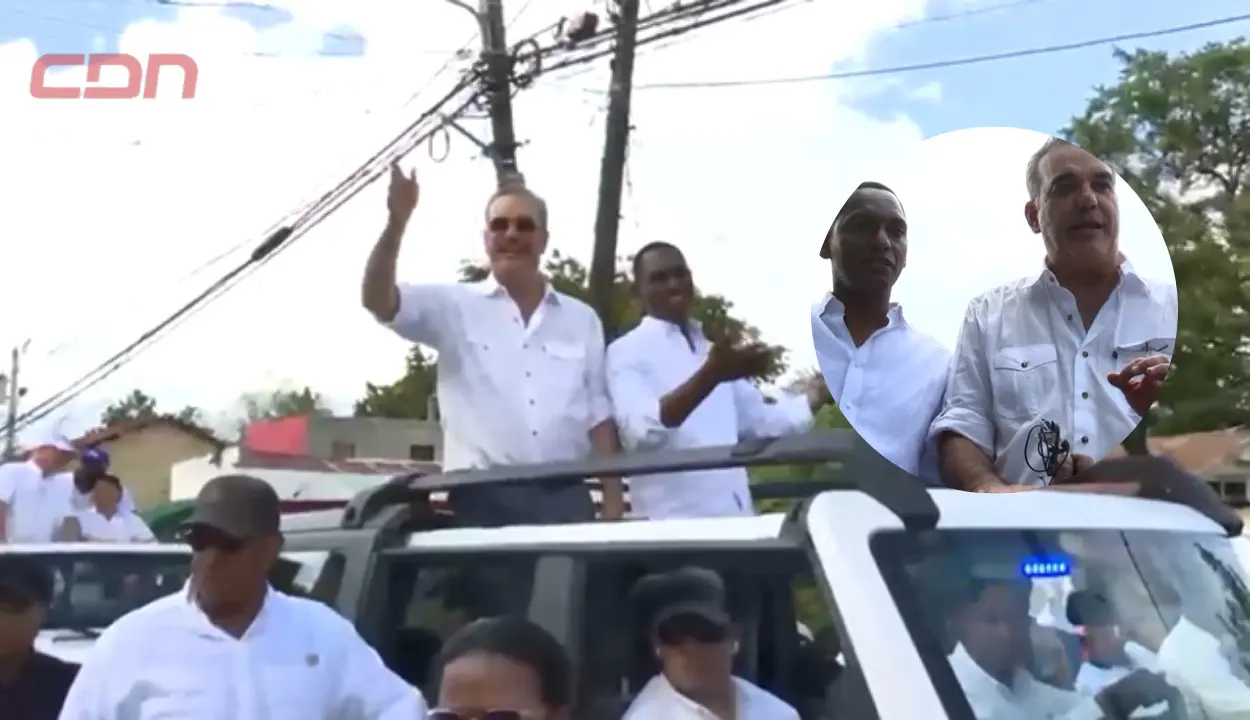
314,574
432,600
92,590
1072,610
776,606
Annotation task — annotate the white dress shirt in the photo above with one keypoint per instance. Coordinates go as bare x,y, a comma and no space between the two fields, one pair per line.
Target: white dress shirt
659,699
37,504
121,527
1025,699
509,392
650,361
1024,356
1192,660
298,661
889,388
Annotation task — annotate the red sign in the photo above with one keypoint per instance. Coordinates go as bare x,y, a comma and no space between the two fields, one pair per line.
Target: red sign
141,79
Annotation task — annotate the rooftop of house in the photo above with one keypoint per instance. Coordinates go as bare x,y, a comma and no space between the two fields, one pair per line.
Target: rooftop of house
112,432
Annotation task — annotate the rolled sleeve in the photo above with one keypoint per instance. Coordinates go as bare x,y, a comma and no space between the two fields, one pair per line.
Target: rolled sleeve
757,417
369,689
967,409
422,316
596,374
635,405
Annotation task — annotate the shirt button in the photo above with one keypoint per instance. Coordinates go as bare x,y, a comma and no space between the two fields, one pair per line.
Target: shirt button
1084,353
1084,439
1069,318
534,433
531,402
527,374
1024,364
1084,396
1114,355
525,346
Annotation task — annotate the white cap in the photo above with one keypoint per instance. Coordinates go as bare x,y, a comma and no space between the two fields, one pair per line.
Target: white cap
53,438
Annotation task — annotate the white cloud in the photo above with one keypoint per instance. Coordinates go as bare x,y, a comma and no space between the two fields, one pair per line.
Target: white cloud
931,92
112,204
964,194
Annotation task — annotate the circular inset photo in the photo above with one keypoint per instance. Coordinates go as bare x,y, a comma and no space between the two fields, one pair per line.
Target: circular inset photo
1000,311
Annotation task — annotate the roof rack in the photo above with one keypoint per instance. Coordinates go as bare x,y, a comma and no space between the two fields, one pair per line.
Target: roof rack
863,469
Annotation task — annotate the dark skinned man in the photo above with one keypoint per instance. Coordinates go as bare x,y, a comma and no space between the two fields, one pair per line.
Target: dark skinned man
230,646
1083,347
673,387
886,377
33,685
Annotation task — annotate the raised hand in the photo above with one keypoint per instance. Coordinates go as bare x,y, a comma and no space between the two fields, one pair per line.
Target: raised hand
403,193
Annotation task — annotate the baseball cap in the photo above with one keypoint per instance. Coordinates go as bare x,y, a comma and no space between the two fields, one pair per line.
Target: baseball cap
240,506
1086,607
23,581
95,457
687,591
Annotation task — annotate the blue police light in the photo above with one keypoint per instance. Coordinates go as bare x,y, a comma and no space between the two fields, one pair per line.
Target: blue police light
1046,567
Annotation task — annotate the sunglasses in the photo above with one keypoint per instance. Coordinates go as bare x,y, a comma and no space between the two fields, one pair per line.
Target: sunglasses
445,714
204,538
691,628
522,224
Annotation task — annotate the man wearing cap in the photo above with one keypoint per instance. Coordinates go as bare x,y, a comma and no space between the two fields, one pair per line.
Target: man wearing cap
886,377
92,463
105,520
229,645
692,635
33,501
32,685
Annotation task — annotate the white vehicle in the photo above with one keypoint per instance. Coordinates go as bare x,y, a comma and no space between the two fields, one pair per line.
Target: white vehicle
96,583
866,551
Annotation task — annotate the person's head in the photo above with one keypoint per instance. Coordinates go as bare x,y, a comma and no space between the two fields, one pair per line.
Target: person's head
52,452
93,463
515,236
1072,205
106,494
25,592
1092,611
663,282
235,537
691,631
867,242
992,623
503,668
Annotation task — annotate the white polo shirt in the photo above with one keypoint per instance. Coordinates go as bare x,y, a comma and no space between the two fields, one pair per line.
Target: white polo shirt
650,361
509,392
889,388
298,661
659,699
122,527
1025,699
1025,356
37,504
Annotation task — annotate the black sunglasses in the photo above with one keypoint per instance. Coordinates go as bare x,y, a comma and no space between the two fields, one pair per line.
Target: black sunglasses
206,538
445,714
691,628
522,224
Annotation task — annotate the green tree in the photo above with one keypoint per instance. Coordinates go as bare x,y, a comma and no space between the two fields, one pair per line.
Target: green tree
1177,129
280,403
407,397
136,406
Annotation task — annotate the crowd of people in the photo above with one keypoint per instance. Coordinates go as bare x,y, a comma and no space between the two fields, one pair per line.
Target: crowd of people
42,500
1050,373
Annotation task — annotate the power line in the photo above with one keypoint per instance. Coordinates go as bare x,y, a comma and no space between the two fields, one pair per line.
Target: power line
938,64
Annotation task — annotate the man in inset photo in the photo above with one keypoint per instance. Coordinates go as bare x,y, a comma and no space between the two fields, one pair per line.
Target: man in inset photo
885,376
1053,371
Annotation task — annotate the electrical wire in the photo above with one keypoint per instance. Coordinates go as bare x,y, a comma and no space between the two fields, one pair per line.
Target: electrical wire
938,64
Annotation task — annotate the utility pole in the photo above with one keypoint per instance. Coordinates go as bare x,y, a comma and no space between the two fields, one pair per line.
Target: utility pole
12,393
497,67
612,169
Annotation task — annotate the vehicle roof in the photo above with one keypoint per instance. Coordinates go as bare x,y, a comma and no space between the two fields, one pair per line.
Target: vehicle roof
725,529
63,548
1076,510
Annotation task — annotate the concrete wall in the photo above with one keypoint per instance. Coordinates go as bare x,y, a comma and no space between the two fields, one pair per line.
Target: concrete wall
144,460
367,437
187,477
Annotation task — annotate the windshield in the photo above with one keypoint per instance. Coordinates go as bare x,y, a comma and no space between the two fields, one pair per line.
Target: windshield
91,590
1039,624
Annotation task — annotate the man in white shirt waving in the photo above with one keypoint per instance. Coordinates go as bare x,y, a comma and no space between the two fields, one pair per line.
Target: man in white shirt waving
33,500
105,520
1078,352
520,366
886,377
229,645
674,388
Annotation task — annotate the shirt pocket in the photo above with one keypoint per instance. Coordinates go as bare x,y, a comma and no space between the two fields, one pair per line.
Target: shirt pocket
1126,352
1024,379
565,374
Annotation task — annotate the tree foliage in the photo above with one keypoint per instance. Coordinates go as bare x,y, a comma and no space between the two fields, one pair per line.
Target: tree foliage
282,402
138,406
1177,129
407,397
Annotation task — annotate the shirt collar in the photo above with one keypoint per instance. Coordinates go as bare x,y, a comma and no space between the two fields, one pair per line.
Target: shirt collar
831,308
490,287
259,623
1128,277
653,324
663,690
967,671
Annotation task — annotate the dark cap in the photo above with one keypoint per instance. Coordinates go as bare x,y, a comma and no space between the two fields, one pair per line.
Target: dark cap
23,581
688,591
1086,607
240,506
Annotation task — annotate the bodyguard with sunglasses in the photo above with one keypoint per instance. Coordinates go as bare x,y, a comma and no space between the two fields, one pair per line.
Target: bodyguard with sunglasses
520,369
230,646
694,642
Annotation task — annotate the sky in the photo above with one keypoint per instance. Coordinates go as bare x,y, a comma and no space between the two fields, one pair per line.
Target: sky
115,208
964,195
